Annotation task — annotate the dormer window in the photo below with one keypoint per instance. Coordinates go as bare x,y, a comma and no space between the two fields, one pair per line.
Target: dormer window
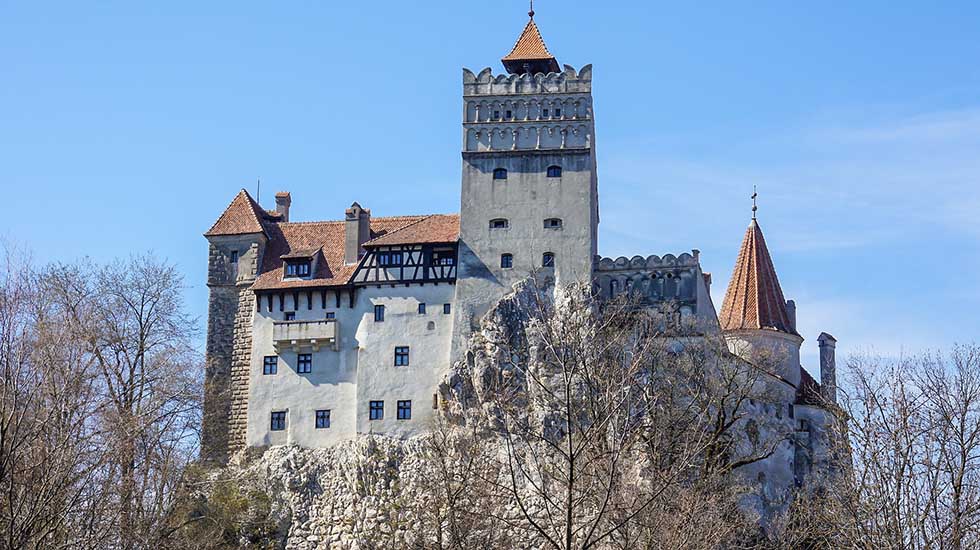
554,171
499,223
500,174
298,268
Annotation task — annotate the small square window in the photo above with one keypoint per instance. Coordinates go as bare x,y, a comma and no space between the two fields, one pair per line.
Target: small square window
278,421
422,308
447,309
234,256
500,173
323,419
270,364
376,410
548,259
405,410
401,356
506,261
379,313
331,315
289,316
304,363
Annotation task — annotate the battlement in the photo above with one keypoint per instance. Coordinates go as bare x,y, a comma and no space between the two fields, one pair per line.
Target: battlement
623,263
567,81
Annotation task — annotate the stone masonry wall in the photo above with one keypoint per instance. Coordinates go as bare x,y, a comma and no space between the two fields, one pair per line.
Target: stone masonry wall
241,359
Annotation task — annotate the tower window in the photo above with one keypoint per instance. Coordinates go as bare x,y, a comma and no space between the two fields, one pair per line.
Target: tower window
379,313
323,419
401,356
304,363
447,309
376,410
548,259
270,364
500,174
508,114
554,171
330,315
496,115
557,112
405,410
613,288
499,223
544,113
552,223
234,256
421,308
278,421
289,316
506,261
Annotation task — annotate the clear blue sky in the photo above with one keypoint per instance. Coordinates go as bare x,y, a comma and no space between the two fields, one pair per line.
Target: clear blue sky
129,126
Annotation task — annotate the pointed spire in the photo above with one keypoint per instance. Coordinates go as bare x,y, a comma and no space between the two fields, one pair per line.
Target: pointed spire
754,299
530,54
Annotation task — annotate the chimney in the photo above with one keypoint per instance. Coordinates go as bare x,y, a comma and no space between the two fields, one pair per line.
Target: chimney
828,366
357,231
283,200
791,313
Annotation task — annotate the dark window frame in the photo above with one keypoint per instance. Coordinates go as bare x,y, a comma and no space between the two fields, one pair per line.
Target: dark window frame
404,409
421,308
289,316
304,363
402,354
299,268
277,421
553,223
554,171
506,261
499,173
548,259
447,309
321,419
379,313
376,410
499,223
234,256
270,365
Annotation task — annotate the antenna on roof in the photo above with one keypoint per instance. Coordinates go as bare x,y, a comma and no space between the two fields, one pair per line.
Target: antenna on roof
531,11
755,195
258,190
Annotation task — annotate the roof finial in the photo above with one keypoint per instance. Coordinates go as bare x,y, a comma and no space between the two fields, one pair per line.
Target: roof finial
531,12
755,195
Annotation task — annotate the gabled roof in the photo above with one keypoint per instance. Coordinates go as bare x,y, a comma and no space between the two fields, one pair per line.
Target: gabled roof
242,217
288,238
754,299
530,50
437,228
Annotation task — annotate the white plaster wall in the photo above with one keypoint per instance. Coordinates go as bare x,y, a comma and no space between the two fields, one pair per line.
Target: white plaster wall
780,348
363,369
428,337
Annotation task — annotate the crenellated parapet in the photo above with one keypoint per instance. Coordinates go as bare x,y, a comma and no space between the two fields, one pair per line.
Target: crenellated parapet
669,281
487,84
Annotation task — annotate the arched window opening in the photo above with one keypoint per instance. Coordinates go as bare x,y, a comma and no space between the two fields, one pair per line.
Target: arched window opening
506,261
548,259
613,288
499,223
554,171
552,223
500,174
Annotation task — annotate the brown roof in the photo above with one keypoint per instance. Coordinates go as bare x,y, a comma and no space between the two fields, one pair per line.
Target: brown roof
530,48
438,228
754,299
243,216
284,238
809,391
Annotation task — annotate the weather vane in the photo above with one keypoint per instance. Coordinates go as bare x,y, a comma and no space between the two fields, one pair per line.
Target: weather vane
755,195
531,11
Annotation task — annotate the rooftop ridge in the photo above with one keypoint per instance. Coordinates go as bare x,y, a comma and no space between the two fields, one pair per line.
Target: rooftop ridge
242,216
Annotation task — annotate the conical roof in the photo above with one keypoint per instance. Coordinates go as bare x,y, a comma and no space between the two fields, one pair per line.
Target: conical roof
530,55
754,299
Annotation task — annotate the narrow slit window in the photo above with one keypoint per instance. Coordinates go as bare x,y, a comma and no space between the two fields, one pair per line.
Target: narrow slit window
447,309
421,308
234,256
379,313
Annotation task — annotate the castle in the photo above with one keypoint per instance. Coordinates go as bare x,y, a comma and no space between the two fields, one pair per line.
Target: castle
321,331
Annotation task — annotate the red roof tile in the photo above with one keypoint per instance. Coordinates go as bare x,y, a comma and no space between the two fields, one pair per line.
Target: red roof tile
330,270
754,299
530,50
243,216
437,228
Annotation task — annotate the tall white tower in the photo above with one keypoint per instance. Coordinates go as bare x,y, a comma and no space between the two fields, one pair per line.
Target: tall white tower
529,200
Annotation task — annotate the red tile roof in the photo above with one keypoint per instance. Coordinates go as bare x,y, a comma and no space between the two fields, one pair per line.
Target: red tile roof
754,299
331,270
242,217
530,45
438,228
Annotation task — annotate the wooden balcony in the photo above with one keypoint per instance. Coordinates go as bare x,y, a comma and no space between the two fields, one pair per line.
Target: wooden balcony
299,334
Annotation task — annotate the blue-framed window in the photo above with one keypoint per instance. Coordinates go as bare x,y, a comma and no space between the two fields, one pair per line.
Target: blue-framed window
500,173
554,171
421,308
548,259
506,261
379,313
447,309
